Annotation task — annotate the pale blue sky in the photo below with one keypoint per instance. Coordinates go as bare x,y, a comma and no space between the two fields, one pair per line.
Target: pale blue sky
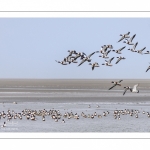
30,46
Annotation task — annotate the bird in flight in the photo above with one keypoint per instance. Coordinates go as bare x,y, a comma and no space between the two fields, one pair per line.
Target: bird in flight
133,90
115,84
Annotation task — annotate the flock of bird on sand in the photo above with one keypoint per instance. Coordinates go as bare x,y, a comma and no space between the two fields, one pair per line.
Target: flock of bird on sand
57,116
105,50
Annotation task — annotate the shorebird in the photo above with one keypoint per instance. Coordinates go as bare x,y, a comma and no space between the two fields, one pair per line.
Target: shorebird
133,90
115,83
119,58
124,36
4,125
108,63
148,68
72,52
104,55
94,65
140,51
87,58
62,62
134,47
129,42
119,50
104,48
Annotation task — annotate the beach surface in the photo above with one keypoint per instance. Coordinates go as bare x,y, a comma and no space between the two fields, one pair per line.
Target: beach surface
75,95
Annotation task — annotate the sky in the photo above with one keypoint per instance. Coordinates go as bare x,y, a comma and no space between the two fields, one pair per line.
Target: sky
30,46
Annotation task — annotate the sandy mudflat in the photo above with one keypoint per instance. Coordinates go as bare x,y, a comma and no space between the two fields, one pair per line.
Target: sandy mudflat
75,96
67,90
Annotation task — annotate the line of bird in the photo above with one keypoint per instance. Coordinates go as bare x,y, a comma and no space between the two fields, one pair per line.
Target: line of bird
105,50
132,89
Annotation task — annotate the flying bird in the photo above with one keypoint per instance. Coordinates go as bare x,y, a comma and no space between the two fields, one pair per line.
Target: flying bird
119,50
115,84
140,51
87,58
94,65
108,62
124,36
129,42
148,68
133,90
120,58
62,62
134,47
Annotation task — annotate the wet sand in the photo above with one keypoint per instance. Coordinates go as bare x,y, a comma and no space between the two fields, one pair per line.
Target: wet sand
74,96
71,90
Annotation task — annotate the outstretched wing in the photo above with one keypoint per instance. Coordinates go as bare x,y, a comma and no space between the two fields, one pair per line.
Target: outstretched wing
111,59
127,33
82,62
147,69
132,37
91,54
122,48
121,39
125,91
118,60
134,46
120,81
143,49
135,86
112,87
106,53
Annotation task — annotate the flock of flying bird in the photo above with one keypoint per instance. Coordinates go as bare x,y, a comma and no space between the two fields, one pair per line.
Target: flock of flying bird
133,90
105,50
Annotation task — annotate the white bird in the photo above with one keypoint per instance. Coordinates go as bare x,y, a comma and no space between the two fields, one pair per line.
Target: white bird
108,63
133,90
129,42
119,50
120,58
94,65
115,83
124,36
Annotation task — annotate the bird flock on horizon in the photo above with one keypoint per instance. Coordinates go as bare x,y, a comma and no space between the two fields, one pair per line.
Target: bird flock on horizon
104,51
